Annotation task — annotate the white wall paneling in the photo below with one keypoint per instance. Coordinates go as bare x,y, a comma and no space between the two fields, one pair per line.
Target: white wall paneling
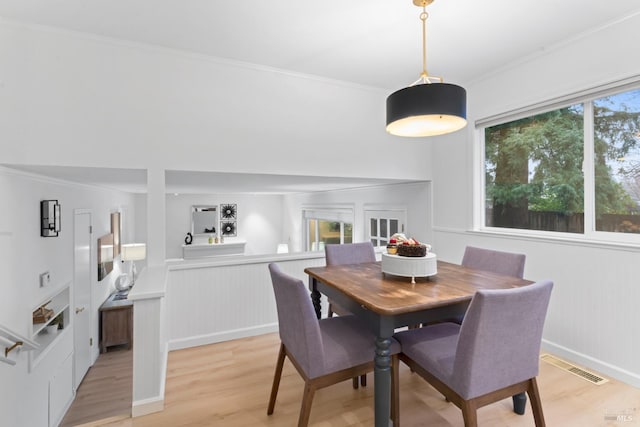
218,301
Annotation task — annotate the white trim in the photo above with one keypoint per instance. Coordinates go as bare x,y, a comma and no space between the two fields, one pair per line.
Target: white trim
592,363
143,407
547,237
179,344
578,97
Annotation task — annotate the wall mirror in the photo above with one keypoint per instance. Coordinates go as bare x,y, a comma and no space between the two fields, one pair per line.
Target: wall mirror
204,219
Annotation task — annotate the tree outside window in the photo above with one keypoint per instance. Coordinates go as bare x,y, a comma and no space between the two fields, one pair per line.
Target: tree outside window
533,168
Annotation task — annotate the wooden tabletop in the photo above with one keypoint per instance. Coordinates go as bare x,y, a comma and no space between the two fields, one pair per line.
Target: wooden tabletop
386,294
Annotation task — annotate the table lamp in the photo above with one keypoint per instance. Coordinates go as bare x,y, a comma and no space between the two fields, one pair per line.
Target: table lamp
134,252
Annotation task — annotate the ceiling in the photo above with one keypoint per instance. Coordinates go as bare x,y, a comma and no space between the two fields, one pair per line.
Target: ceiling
375,43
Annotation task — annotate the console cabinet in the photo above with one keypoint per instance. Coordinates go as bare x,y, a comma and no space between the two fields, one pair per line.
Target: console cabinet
116,322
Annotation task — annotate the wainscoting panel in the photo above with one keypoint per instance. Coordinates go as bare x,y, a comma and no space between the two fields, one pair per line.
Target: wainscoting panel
223,301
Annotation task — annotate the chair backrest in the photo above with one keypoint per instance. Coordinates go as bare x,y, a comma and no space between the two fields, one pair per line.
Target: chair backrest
499,342
297,322
349,253
507,263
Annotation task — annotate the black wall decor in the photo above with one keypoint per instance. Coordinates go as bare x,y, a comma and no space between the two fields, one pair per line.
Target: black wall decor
228,228
228,211
49,218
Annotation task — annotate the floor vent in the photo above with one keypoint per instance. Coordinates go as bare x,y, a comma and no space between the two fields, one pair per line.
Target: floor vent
589,376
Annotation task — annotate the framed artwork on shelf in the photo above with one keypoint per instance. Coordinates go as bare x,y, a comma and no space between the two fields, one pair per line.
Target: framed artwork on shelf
228,211
228,228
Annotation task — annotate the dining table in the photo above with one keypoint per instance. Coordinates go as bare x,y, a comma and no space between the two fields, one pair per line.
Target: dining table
386,302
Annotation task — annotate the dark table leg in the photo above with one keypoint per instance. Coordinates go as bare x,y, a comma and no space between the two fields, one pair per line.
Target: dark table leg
519,403
382,378
315,297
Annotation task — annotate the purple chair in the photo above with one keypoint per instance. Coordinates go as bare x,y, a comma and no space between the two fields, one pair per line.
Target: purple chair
342,254
348,253
324,352
492,355
506,263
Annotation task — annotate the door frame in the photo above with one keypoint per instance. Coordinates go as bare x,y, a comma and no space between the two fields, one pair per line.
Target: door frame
77,212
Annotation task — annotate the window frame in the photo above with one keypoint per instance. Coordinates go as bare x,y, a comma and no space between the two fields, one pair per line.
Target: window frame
344,214
395,212
586,98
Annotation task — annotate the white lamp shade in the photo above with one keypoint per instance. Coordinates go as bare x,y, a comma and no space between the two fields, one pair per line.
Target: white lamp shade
283,248
134,251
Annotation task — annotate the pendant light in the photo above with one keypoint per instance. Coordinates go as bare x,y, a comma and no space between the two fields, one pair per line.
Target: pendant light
428,107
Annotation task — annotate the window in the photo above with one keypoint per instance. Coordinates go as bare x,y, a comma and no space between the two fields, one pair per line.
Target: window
383,224
327,226
574,169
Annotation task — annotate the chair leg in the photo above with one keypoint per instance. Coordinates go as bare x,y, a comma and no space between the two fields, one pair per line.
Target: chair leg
536,403
395,390
330,310
519,403
307,400
354,380
363,380
276,380
469,413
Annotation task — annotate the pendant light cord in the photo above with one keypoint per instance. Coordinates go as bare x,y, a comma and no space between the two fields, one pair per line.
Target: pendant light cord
423,17
425,78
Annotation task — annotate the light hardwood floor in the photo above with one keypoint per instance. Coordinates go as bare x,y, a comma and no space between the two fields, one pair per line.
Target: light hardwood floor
228,384
106,391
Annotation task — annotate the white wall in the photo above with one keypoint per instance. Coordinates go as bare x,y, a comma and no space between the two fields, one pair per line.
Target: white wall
259,220
31,254
593,316
102,102
415,197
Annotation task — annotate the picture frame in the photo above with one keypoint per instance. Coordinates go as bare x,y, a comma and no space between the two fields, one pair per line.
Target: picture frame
116,231
105,256
228,211
228,228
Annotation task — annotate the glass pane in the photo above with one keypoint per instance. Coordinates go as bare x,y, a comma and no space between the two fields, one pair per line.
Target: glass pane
533,172
329,231
374,227
348,233
312,238
393,227
617,162
383,228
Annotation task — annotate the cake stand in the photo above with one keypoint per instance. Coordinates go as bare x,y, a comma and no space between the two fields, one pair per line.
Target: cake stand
410,266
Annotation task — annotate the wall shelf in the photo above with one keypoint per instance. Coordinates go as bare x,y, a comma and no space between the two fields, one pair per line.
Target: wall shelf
203,250
59,302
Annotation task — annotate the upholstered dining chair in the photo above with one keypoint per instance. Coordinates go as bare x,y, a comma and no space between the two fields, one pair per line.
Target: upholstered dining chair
507,263
492,355
325,351
348,253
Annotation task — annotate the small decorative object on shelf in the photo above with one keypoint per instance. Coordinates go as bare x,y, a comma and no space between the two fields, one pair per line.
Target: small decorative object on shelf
189,239
228,228
49,218
228,211
210,240
42,314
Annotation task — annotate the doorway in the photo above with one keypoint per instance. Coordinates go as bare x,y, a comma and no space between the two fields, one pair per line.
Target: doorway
82,340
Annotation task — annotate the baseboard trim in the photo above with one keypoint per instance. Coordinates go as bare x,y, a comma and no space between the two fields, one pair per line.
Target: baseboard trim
147,406
178,344
604,368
